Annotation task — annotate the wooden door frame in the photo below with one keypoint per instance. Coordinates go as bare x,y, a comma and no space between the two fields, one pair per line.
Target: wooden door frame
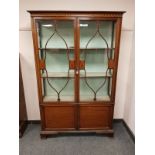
36,48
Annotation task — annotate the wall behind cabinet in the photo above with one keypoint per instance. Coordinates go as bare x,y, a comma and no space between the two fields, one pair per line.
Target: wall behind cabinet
124,107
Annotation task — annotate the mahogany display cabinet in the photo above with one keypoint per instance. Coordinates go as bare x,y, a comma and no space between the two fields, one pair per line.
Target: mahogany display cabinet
76,58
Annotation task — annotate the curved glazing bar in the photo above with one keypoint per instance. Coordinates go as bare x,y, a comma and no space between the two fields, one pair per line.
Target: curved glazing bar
67,52
85,57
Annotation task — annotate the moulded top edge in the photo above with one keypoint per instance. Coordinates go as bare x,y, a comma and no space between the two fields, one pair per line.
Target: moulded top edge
63,11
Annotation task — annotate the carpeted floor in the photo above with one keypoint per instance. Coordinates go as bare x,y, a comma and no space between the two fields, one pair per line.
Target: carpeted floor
120,144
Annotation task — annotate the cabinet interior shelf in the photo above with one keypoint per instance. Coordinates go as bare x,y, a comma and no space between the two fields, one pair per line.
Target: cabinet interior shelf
83,98
54,98
71,74
57,49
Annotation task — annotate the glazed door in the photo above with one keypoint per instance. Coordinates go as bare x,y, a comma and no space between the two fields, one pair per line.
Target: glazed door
57,54
77,59
96,60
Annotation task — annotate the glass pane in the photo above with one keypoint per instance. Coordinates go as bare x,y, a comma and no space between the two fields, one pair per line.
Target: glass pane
56,48
97,46
88,29
96,61
57,61
95,82
64,29
66,95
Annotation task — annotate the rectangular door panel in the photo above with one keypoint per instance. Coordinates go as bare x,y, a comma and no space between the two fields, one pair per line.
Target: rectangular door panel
59,117
95,117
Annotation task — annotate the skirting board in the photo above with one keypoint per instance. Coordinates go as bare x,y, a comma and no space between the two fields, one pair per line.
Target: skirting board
129,131
126,127
115,121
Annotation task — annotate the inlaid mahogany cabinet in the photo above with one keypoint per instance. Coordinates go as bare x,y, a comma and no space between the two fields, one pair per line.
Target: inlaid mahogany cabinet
76,57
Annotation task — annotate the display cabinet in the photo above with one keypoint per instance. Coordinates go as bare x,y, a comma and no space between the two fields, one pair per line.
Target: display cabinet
76,57
22,105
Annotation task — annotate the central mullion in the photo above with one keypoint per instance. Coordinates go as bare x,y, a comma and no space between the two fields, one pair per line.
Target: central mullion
77,59
76,71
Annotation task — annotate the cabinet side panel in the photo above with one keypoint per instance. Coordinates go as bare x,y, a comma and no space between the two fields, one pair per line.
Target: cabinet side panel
117,46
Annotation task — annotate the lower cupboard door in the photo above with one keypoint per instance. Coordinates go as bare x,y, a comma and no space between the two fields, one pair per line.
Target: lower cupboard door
95,117
59,117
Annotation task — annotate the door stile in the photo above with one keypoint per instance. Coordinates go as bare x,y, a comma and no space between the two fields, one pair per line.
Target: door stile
117,46
36,57
77,56
77,38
